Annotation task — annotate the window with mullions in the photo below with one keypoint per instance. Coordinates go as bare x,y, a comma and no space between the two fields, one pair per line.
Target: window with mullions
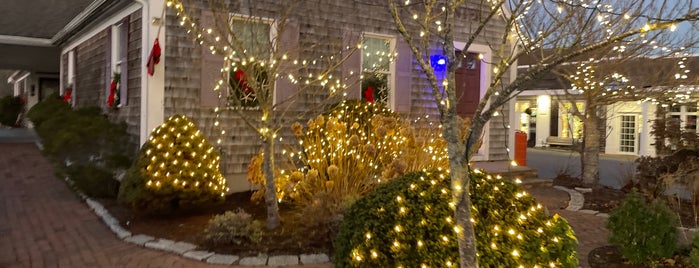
627,139
686,114
377,69
251,39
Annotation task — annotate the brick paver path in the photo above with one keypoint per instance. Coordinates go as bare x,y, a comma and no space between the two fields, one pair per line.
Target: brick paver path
44,224
589,229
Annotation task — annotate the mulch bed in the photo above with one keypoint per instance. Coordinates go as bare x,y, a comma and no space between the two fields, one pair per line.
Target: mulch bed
292,237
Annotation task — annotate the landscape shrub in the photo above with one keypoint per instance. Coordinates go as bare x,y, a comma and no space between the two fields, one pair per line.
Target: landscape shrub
347,151
409,222
175,170
93,180
234,227
10,108
47,109
81,136
694,252
650,171
84,144
644,232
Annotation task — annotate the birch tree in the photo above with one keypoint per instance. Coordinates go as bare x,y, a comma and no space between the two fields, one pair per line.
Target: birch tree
571,28
649,73
255,65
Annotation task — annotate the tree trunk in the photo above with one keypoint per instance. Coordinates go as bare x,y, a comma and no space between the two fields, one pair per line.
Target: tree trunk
270,189
460,178
591,147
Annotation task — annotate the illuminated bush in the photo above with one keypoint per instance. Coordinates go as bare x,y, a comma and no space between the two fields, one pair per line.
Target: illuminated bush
348,151
176,169
408,222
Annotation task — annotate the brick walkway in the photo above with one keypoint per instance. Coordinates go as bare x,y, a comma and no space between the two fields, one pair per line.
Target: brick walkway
44,224
589,229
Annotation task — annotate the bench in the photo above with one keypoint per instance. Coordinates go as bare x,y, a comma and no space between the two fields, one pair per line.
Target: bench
555,140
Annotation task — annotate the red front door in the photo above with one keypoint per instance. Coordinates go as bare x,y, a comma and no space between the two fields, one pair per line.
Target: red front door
468,84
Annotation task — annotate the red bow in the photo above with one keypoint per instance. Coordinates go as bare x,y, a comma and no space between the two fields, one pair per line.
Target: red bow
66,96
154,57
369,94
112,91
242,81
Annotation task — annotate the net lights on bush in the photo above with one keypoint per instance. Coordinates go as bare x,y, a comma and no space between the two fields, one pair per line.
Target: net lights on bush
180,158
512,229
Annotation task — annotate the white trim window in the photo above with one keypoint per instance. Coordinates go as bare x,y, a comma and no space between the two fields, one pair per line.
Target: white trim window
687,114
70,77
253,37
627,134
118,62
378,70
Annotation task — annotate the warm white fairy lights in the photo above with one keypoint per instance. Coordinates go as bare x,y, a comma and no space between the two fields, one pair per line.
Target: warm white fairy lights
181,159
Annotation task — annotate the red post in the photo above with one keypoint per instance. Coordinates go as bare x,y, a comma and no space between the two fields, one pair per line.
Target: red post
521,148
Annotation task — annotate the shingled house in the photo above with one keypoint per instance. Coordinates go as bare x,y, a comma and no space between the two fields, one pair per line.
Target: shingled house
118,38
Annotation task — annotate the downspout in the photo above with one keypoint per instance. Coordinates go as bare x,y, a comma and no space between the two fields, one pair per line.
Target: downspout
145,42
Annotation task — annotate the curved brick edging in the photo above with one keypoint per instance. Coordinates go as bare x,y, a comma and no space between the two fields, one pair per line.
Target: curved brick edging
189,250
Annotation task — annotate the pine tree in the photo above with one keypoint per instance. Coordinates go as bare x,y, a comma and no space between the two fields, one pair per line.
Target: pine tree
177,168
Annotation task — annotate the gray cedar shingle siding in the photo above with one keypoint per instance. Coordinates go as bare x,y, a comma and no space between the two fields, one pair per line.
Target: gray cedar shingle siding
321,31
92,72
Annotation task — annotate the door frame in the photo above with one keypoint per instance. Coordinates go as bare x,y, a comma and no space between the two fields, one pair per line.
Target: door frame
483,153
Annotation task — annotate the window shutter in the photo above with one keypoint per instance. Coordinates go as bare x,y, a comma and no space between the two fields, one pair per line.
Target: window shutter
352,66
404,74
211,65
289,45
124,67
108,63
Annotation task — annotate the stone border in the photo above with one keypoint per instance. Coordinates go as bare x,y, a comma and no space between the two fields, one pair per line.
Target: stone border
188,250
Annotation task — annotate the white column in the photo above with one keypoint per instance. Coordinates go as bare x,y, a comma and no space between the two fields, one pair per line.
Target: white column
543,118
152,87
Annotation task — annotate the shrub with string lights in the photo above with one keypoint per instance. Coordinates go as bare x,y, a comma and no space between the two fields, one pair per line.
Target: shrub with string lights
408,222
347,151
177,168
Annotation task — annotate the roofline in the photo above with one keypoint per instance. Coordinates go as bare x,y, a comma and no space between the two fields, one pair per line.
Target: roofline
77,21
25,41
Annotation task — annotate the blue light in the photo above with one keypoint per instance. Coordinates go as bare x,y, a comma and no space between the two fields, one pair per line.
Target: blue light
439,62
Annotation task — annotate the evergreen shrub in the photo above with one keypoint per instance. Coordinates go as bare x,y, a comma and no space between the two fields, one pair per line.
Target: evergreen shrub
409,222
644,232
94,181
234,227
175,170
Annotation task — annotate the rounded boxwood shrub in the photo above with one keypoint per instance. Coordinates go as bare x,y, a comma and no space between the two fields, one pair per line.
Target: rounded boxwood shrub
643,232
176,169
408,222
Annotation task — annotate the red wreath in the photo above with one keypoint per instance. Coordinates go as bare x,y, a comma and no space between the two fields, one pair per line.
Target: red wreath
113,99
242,81
369,94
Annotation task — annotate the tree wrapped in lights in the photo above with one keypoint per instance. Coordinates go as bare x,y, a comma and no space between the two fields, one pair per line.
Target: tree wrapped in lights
408,222
572,28
176,169
264,76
